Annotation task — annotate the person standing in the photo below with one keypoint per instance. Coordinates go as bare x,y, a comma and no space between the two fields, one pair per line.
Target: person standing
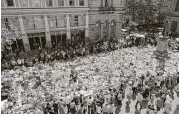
119,98
105,109
111,108
98,108
167,107
72,107
134,88
90,102
139,100
129,95
55,107
159,104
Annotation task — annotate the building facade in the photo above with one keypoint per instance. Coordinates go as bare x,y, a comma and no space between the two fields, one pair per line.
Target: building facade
171,8
55,22
105,18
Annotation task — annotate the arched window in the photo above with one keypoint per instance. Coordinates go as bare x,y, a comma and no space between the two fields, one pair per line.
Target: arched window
113,28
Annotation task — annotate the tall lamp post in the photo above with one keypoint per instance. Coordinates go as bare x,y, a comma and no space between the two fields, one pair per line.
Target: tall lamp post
161,53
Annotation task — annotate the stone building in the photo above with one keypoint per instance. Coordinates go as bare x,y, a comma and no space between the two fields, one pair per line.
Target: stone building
171,8
54,22
46,22
105,18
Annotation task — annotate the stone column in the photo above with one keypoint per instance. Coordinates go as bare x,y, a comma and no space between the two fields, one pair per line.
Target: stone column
24,35
86,27
68,33
47,32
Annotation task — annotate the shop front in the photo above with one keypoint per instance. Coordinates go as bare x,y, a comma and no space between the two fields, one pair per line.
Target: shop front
37,40
77,36
58,38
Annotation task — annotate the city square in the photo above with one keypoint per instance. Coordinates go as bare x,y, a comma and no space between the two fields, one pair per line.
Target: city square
89,57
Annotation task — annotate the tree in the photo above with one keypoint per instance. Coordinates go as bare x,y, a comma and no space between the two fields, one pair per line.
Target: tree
8,36
146,12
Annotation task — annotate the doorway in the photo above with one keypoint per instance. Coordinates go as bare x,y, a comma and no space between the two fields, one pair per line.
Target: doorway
58,39
37,42
78,36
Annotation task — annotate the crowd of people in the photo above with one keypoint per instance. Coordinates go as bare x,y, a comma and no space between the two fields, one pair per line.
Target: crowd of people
151,94
69,81
71,52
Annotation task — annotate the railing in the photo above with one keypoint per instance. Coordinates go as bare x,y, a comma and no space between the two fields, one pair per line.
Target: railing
106,10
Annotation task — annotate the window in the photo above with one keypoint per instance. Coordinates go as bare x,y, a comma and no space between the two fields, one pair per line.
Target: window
52,21
81,19
24,3
113,28
2,4
7,21
61,21
177,6
34,22
37,3
82,2
49,3
74,20
10,2
106,28
56,21
60,2
39,22
106,3
71,2
29,23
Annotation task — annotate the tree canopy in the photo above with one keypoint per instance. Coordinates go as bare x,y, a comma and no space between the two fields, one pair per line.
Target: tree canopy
147,11
8,36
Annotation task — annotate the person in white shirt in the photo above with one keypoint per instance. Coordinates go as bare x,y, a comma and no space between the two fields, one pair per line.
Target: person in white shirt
90,102
98,109
135,85
105,109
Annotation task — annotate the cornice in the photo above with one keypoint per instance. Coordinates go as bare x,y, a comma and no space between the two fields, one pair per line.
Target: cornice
20,11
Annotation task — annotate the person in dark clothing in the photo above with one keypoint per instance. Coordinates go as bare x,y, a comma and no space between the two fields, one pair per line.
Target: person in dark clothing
44,110
178,78
146,93
55,107
162,83
49,109
81,99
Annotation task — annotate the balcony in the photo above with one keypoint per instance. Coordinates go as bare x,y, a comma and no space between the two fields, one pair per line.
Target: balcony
106,10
